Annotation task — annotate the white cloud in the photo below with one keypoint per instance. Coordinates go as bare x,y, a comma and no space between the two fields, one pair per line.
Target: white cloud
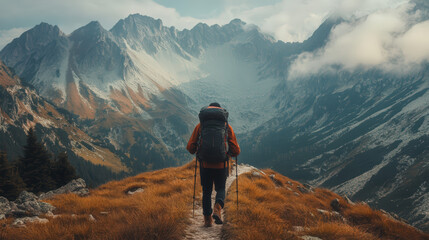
287,20
296,20
387,39
415,43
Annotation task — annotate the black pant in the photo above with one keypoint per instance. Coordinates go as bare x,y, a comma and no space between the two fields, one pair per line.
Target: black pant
208,177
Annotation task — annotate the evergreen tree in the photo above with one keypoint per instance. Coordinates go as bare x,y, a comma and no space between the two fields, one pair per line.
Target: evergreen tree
11,183
35,167
64,172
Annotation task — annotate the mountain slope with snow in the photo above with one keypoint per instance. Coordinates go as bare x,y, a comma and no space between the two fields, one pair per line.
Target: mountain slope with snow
22,108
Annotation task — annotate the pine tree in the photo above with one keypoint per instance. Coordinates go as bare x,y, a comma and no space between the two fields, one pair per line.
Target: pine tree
11,183
35,167
64,172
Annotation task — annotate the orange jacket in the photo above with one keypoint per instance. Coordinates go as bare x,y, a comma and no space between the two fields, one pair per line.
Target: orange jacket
233,151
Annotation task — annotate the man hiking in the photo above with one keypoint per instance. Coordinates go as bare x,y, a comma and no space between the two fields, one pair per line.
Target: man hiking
214,142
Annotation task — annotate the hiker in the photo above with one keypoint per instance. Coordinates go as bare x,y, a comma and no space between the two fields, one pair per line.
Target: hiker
214,142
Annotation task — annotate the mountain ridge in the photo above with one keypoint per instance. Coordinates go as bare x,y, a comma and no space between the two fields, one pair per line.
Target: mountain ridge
158,204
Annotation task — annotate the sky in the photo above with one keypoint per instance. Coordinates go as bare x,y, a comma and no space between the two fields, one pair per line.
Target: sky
286,20
385,34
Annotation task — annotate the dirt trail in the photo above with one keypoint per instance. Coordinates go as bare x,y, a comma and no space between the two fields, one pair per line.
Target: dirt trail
196,230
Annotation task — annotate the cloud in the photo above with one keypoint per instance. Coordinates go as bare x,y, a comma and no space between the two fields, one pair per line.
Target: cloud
388,39
414,43
287,20
296,20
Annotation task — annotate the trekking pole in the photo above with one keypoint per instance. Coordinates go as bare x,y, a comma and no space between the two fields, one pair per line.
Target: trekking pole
195,179
236,179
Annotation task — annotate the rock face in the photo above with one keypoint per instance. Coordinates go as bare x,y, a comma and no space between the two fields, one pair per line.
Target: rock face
77,186
28,206
29,202
4,205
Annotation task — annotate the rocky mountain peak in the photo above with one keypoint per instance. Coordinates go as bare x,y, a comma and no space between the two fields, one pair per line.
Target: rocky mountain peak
46,28
92,30
137,24
237,21
200,27
41,35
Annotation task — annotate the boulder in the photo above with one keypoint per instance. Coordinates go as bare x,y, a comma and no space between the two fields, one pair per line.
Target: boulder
298,228
20,222
76,186
13,206
25,196
309,187
275,181
324,212
91,218
303,189
2,216
335,204
18,213
4,205
35,207
28,204
132,192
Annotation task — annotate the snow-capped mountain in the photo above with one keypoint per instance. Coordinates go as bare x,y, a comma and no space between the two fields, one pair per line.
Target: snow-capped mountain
140,86
21,108
363,133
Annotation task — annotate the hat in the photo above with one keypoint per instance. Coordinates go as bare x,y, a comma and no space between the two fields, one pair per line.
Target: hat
214,104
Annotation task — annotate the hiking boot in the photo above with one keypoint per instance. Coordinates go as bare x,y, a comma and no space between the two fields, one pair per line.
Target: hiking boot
217,213
208,221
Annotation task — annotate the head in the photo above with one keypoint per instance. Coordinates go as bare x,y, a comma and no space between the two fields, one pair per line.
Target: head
214,104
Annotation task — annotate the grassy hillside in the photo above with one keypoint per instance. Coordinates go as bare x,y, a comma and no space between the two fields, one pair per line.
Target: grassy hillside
277,207
160,212
273,207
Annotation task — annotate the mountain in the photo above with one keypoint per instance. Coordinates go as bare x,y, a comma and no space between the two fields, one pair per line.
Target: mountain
363,133
138,88
158,205
22,108
141,84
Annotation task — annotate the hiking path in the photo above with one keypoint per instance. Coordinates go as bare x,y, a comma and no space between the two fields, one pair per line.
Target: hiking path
196,230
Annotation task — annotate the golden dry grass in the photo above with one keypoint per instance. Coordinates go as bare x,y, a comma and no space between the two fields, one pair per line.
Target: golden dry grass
268,209
273,209
160,212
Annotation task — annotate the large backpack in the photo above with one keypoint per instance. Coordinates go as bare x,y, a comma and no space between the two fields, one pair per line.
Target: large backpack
213,142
